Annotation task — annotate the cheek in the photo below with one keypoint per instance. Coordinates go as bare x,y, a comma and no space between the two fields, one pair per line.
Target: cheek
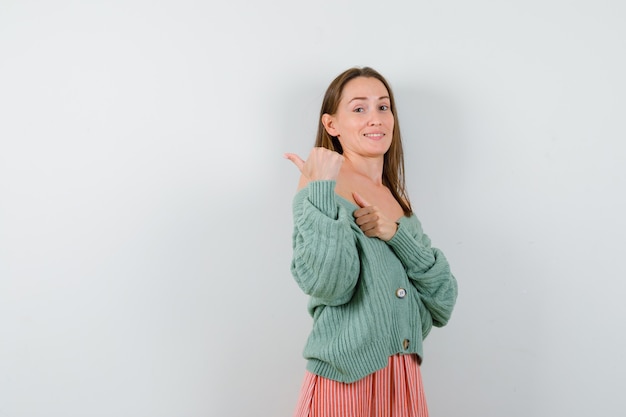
352,126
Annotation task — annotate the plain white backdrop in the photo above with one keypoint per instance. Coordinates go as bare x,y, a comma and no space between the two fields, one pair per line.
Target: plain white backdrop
145,207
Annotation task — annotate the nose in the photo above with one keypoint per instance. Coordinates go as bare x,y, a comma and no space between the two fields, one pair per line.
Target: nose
375,121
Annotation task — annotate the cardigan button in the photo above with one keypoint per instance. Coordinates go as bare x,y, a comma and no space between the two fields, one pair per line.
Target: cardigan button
405,344
400,293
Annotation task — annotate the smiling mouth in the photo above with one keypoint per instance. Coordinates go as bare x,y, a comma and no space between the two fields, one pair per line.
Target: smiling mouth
374,135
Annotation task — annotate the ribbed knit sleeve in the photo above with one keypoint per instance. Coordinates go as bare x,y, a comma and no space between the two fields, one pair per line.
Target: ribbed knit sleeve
429,272
325,259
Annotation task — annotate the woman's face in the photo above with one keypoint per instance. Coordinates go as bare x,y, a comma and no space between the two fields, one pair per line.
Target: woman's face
363,122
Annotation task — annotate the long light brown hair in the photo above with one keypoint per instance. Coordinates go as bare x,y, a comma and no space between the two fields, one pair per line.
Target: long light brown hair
393,166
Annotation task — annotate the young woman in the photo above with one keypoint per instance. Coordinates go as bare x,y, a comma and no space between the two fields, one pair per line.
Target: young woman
376,285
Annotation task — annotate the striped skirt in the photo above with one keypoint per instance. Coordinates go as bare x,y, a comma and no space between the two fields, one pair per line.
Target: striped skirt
394,391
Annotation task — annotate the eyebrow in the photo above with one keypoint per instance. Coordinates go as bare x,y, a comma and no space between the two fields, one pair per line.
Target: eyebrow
365,98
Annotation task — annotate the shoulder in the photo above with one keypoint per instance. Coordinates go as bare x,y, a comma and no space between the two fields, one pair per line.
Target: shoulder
346,186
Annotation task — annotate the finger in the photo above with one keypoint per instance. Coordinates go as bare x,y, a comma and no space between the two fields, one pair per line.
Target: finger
299,162
360,200
363,211
365,219
369,229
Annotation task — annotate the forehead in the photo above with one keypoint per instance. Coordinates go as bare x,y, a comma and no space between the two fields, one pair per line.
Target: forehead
365,87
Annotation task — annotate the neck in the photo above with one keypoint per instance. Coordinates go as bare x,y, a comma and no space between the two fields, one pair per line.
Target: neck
371,168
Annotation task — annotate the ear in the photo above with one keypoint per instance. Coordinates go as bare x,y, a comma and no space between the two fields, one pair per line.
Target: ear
329,124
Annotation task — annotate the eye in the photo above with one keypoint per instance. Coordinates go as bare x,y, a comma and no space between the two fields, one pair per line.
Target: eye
359,110
384,107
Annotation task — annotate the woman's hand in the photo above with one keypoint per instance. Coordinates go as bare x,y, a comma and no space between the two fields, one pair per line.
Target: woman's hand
322,164
372,221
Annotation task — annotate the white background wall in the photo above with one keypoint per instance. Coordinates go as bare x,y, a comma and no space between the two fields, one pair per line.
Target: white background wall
145,207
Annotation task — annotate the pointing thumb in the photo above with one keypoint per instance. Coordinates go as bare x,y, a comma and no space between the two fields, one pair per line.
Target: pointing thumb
295,159
360,200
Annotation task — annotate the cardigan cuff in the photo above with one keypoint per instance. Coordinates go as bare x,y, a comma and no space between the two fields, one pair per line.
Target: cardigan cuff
409,250
322,196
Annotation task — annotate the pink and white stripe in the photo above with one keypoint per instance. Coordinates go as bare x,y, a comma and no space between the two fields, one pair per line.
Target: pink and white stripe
394,391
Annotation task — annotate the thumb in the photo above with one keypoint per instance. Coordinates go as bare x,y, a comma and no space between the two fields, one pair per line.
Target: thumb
295,159
360,200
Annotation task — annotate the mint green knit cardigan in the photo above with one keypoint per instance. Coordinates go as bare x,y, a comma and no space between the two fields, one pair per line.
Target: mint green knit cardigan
361,315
